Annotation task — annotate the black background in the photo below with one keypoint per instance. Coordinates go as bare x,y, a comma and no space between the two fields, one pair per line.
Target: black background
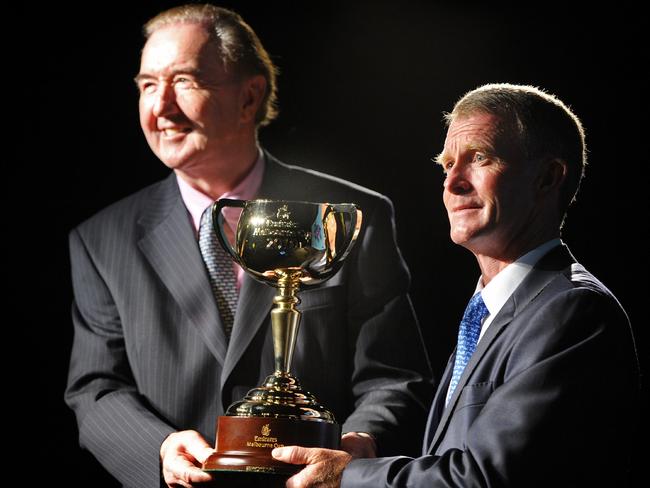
362,89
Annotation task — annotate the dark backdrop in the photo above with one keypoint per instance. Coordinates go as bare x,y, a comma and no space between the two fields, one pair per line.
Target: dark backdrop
362,89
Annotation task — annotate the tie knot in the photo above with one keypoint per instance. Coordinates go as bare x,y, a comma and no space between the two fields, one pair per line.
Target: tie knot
476,310
205,223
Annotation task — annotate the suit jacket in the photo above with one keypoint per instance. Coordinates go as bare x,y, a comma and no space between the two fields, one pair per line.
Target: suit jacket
150,357
547,398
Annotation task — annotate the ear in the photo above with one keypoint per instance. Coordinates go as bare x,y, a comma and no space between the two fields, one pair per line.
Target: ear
252,94
552,174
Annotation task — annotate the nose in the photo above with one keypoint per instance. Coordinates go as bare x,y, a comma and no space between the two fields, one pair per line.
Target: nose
457,180
165,100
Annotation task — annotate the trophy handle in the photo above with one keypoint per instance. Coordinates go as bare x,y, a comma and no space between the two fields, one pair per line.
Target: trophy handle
217,220
356,216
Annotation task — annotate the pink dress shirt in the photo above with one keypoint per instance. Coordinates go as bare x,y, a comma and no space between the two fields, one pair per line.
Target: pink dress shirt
196,202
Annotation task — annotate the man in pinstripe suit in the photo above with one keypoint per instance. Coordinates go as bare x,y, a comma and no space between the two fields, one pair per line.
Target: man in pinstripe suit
151,367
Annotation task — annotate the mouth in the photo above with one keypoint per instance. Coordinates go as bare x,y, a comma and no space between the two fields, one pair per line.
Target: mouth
469,206
173,132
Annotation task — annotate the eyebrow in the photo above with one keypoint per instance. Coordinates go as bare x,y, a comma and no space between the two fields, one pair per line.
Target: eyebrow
439,158
183,71
484,148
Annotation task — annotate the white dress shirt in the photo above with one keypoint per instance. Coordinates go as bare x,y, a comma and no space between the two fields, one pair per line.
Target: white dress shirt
498,290
502,286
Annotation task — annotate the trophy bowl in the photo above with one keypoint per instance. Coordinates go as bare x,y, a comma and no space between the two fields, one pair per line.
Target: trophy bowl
285,244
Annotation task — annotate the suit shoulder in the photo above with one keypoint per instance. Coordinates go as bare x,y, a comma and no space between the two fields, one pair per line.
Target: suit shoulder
125,212
576,298
573,308
320,183
580,279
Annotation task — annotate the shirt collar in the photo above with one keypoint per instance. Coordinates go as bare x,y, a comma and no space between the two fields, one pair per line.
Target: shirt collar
196,202
499,289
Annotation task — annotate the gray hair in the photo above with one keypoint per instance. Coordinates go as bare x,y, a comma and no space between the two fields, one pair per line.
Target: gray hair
541,126
238,44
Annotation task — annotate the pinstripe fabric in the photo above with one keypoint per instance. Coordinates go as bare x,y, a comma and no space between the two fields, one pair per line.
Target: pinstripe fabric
159,312
150,355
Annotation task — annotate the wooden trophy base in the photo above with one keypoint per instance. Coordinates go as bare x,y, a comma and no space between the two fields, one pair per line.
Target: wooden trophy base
244,444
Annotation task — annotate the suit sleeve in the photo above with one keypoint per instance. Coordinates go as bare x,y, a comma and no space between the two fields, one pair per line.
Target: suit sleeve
561,416
391,380
114,421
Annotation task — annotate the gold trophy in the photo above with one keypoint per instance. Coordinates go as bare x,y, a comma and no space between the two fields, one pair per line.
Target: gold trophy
285,244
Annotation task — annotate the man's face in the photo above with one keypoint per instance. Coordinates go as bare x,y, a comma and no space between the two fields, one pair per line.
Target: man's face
490,201
190,108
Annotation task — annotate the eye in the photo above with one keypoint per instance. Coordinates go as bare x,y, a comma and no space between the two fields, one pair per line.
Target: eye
447,165
184,82
479,157
147,86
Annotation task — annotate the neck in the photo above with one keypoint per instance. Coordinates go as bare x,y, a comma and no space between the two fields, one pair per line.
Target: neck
492,264
223,172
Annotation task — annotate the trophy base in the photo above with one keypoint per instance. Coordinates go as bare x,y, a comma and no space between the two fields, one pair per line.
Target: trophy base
244,444
243,479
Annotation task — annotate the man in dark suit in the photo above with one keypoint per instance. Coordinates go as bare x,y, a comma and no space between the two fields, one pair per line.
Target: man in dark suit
541,388
152,367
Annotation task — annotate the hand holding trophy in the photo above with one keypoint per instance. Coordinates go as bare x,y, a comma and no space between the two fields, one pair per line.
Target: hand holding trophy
285,244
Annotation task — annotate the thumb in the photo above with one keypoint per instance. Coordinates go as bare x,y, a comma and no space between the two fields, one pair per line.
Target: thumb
291,454
203,453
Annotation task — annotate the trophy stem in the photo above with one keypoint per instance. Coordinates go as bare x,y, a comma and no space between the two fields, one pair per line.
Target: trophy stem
285,320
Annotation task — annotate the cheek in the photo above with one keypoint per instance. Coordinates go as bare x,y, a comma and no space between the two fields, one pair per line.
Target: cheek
198,108
187,106
508,204
445,198
147,120
490,190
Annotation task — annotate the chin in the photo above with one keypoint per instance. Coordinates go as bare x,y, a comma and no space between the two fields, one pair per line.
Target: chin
469,240
461,241
172,159
171,163
460,236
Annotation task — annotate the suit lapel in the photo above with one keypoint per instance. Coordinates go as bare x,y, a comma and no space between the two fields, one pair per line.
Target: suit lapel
540,276
255,298
253,307
169,244
502,319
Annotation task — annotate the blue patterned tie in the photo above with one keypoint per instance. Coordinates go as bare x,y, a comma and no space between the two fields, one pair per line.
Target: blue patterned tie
468,334
220,271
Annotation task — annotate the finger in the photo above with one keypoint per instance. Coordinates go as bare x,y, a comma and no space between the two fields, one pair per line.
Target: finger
292,454
200,453
173,481
304,478
183,471
177,484
359,444
190,442
193,443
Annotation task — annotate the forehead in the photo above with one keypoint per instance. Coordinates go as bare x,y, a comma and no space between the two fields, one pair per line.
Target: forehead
177,46
477,129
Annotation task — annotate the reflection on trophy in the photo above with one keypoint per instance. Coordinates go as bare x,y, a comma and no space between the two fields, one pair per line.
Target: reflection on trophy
285,244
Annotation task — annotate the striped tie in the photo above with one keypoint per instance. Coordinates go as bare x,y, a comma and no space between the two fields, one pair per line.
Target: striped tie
220,271
468,334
